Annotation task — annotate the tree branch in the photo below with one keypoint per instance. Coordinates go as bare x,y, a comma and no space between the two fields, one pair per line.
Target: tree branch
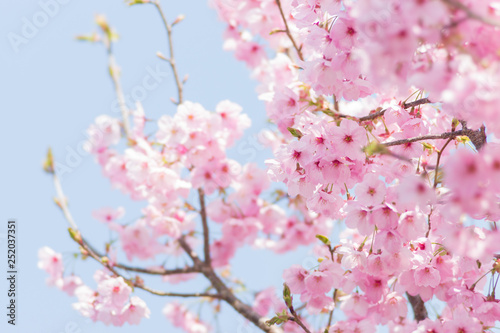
377,114
288,33
77,237
471,14
418,306
299,322
158,271
436,171
426,137
206,234
171,59
225,293
404,106
105,262
114,72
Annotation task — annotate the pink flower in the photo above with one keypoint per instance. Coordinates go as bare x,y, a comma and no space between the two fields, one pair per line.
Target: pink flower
184,319
427,276
138,241
349,139
464,171
86,302
114,292
385,217
388,240
222,251
104,133
71,283
51,262
355,305
135,310
414,190
371,191
295,278
394,306
266,301
107,214
359,217
412,225
319,282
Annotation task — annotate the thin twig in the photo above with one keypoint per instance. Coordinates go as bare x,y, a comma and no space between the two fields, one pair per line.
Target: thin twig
206,232
299,322
330,317
438,160
115,78
62,203
106,264
288,33
158,271
471,14
416,103
171,59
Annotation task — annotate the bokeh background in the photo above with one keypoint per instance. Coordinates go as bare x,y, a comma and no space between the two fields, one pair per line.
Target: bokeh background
52,89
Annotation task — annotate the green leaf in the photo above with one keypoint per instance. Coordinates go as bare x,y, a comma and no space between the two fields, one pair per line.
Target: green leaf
295,132
375,148
75,235
48,164
324,239
287,297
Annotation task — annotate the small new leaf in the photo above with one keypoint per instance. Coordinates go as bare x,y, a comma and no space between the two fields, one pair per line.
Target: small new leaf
75,235
287,297
280,318
137,2
295,132
375,148
323,239
48,164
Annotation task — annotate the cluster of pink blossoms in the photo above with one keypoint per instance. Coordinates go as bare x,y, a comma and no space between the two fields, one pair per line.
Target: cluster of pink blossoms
382,110
181,317
110,303
411,228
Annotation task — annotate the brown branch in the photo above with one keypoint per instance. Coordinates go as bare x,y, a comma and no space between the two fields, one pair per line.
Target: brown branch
158,270
426,137
94,255
471,14
330,316
299,322
418,306
206,232
90,251
436,171
377,114
404,106
288,33
225,293
171,59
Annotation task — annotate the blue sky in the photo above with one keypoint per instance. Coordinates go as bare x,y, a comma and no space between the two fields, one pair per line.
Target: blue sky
52,88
